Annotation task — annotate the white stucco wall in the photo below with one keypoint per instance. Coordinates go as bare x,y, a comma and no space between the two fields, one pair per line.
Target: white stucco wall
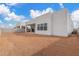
59,23
42,19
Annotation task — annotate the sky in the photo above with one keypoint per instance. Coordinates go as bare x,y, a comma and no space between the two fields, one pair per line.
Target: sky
15,13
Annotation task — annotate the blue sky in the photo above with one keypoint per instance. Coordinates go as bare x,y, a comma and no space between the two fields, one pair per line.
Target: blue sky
13,13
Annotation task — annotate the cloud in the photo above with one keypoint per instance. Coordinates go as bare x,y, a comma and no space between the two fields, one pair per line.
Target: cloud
1,22
75,18
36,13
14,17
24,22
2,26
11,25
7,18
4,10
75,15
5,26
11,4
61,5
9,15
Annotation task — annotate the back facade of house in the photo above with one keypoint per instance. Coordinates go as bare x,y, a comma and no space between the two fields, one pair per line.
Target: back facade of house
57,23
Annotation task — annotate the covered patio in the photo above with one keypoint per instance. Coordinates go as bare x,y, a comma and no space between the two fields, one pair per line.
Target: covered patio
30,27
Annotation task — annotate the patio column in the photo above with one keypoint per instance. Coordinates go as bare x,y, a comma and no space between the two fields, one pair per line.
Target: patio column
30,28
20,26
25,28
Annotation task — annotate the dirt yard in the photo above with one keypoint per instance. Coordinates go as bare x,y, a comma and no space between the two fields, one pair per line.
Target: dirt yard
24,44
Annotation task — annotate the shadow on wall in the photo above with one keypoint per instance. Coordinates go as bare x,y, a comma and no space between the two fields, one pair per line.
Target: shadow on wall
64,47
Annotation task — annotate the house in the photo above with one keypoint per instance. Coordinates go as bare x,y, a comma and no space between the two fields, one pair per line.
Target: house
57,23
19,28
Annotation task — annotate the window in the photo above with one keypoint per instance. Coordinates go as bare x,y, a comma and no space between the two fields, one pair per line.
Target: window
45,26
38,27
42,26
23,27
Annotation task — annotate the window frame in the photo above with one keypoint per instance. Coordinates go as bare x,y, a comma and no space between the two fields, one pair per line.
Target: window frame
42,26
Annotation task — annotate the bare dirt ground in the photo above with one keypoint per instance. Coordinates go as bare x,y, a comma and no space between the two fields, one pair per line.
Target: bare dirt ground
24,44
